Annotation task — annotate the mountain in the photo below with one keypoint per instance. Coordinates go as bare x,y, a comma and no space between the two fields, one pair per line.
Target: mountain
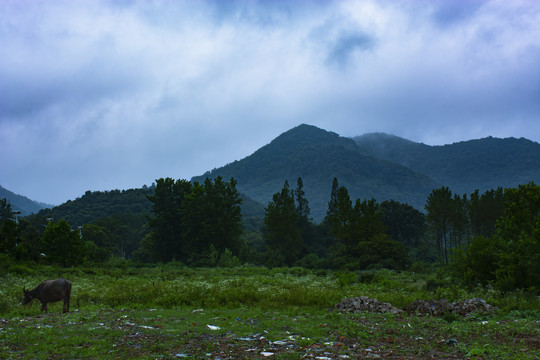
21,203
317,156
464,166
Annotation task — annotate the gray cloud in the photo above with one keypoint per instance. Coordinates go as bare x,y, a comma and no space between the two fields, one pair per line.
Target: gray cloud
453,12
347,44
99,95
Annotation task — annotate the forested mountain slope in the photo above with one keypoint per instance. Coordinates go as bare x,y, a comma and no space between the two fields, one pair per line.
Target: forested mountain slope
317,156
127,206
95,205
464,166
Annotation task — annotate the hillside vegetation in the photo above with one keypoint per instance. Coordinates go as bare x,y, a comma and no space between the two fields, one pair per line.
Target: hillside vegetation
21,203
317,156
465,166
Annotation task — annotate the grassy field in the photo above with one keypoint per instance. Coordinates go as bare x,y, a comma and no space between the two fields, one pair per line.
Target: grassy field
170,312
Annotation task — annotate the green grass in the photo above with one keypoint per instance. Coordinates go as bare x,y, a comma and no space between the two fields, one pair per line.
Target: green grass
162,312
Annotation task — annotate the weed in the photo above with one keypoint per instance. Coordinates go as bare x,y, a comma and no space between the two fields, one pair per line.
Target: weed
346,278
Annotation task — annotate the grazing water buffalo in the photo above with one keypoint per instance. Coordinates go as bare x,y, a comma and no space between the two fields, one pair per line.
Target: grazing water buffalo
49,291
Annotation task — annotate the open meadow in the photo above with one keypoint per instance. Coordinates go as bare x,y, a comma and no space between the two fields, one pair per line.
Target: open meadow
170,312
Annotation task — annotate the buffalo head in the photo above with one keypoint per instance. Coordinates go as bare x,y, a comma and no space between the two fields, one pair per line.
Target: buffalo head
27,296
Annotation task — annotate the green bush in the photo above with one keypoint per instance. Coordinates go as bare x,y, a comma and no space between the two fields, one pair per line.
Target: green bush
368,277
346,278
228,260
20,269
5,303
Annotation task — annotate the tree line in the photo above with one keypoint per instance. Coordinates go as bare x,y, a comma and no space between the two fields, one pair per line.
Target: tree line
488,238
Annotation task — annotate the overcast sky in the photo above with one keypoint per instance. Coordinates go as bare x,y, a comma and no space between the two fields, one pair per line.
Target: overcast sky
103,95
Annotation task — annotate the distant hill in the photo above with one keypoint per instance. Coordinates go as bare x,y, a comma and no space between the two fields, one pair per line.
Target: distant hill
95,205
21,203
132,204
317,156
464,166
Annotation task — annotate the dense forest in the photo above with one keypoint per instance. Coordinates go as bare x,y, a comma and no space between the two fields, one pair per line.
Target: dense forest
484,238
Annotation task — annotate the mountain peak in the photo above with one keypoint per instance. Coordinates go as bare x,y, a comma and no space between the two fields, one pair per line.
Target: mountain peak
310,135
308,132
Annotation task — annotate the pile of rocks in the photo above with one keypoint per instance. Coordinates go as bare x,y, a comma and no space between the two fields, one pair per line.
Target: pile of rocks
364,303
467,307
440,307
418,307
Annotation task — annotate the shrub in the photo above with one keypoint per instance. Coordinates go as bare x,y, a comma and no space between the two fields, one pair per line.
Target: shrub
20,269
5,263
346,278
228,260
368,277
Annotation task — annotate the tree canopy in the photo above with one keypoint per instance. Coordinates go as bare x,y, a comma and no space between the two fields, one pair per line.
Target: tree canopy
193,222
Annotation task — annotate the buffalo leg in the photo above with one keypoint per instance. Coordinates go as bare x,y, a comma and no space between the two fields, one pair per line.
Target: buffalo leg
67,297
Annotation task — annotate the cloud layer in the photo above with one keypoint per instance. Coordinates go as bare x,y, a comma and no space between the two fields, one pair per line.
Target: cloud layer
98,95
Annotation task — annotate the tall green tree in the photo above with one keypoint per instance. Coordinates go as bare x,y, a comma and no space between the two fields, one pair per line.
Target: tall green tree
98,242
280,229
62,245
439,210
167,240
193,222
459,221
332,204
510,258
367,220
6,211
361,238
9,234
302,205
484,211
340,217
403,222
519,231
212,219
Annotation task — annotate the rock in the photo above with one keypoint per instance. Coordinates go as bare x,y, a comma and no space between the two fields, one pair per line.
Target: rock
363,303
440,307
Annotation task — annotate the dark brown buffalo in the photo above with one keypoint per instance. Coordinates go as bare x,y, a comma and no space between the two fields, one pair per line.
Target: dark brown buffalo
49,291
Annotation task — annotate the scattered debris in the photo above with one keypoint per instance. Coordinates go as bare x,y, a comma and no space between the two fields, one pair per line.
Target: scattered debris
213,327
427,307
